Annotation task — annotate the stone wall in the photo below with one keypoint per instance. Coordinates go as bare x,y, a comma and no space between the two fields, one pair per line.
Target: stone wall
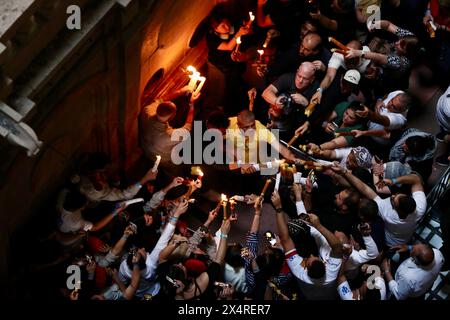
88,101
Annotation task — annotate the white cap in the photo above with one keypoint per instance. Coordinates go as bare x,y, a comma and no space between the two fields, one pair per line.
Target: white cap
352,76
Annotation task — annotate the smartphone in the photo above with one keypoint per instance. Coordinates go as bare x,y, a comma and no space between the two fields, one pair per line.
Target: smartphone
133,227
312,177
304,217
271,238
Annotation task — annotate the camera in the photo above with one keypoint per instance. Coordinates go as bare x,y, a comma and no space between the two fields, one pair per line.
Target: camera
285,100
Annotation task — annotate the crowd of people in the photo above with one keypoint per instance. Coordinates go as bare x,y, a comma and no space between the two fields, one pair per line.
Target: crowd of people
338,80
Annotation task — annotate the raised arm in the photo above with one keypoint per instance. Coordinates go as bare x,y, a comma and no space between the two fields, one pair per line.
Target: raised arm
333,241
283,231
363,188
222,249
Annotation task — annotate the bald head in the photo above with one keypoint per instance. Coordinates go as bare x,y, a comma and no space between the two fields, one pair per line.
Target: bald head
246,116
423,253
310,45
305,75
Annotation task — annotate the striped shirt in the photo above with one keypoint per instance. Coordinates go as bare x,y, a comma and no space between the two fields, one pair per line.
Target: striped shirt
443,110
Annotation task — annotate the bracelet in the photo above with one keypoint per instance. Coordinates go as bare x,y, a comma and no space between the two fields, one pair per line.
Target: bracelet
135,265
173,219
138,184
223,235
410,247
125,237
279,210
320,89
395,181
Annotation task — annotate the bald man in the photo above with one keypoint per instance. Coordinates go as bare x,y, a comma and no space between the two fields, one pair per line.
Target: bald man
309,49
298,88
416,275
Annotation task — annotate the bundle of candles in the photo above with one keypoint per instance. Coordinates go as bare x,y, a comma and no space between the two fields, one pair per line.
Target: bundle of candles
343,49
431,28
310,109
196,82
268,165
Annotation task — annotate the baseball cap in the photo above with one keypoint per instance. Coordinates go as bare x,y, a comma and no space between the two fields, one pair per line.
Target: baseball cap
352,76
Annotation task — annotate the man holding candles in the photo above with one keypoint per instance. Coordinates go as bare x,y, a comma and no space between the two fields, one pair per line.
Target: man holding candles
156,131
298,88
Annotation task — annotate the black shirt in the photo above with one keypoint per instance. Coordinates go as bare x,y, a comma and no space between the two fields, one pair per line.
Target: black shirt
293,113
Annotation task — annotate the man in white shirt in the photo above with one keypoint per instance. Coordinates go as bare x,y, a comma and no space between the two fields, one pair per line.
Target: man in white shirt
400,212
338,61
415,276
316,275
390,114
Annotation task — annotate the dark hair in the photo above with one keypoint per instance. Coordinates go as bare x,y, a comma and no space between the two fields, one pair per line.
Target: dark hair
352,200
316,270
411,46
406,206
218,120
418,145
141,262
346,5
233,256
166,109
177,192
176,273
74,201
270,262
368,209
218,14
365,176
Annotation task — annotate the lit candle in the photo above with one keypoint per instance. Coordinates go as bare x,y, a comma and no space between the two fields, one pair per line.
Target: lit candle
200,175
277,181
310,109
261,53
224,205
155,166
194,77
252,18
200,86
238,43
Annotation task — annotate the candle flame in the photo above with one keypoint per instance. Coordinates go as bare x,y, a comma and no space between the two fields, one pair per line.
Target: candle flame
223,197
261,52
238,40
252,17
191,69
200,173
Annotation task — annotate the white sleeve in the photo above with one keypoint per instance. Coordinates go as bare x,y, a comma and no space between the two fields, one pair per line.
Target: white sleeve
345,293
320,240
421,203
154,202
400,291
336,61
342,153
382,209
153,258
115,194
294,262
362,256
396,121
300,207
